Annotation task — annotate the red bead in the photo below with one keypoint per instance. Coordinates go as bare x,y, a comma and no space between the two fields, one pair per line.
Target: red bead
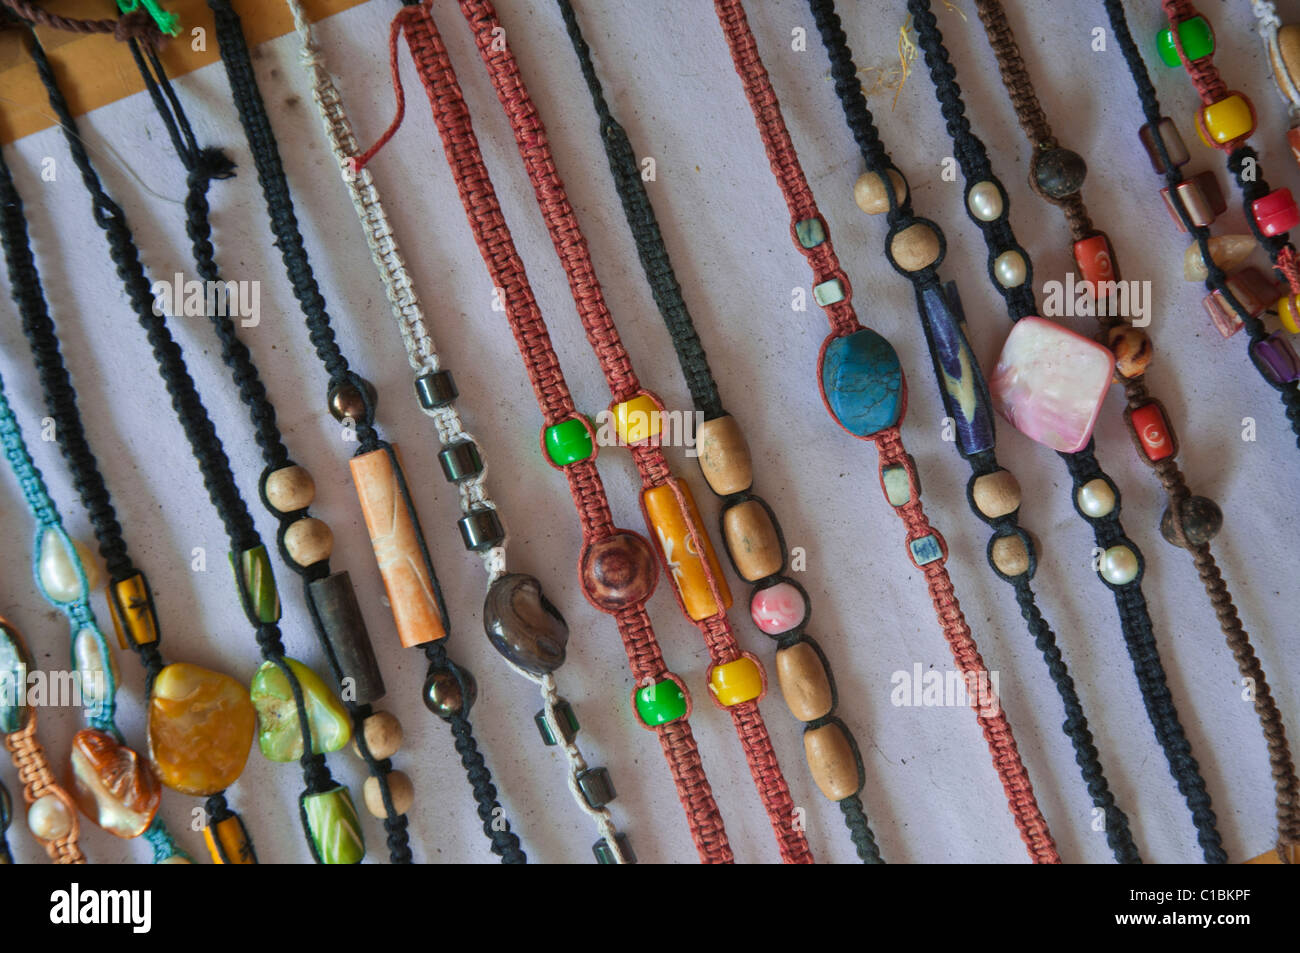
1096,259
1152,429
1276,212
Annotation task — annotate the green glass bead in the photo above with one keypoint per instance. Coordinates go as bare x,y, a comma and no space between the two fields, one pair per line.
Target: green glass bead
334,826
828,292
569,441
1197,37
568,723
661,703
253,571
898,489
278,734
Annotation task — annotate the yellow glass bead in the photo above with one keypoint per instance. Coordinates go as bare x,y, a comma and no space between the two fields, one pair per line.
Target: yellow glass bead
1228,119
131,597
233,840
1288,311
736,682
636,419
672,536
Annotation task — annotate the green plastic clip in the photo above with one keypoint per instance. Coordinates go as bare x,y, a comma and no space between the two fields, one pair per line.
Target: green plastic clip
169,23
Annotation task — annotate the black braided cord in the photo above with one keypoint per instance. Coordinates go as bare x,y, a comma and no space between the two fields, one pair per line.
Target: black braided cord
1083,467
262,144
867,136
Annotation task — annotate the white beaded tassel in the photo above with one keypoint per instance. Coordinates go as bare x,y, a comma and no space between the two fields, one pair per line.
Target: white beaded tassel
423,357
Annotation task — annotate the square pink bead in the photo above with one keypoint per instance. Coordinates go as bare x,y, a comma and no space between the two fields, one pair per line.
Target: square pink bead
1050,383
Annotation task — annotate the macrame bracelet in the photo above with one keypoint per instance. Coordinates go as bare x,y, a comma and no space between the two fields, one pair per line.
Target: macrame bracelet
1189,522
753,538
404,561
993,492
530,636
328,817
1096,498
287,489
863,388
62,580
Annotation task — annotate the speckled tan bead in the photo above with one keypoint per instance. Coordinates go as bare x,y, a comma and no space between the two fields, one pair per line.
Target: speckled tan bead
1132,349
915,247
308,541
831,761
804,683
400,789
1010,555
290,488
752,540
383,733
996,494
724,456
869,191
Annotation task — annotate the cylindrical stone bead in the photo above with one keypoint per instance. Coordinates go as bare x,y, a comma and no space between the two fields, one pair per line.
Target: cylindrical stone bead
481,529
460,461
344,630
435,389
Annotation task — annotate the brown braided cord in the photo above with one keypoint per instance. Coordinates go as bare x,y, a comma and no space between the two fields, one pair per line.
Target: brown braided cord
38,781
1032,119
137,25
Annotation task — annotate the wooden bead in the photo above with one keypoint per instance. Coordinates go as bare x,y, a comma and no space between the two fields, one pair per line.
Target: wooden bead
618,571
915,247
383,734
724,456
804,683
831,761
1132,349
400,789
1010,555
1288,44
752,540
309,541
869,191
290,488
996,494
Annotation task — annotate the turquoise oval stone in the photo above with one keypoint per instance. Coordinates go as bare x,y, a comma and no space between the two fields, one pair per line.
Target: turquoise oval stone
863,382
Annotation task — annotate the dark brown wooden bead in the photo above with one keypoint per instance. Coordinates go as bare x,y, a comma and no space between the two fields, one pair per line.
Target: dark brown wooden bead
1202,520
619,571
344,630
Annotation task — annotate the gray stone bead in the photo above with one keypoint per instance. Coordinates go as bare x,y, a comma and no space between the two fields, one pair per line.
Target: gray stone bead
523,626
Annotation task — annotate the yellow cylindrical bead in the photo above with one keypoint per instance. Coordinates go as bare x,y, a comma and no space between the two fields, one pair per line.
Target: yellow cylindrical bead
1230,118
233,840
831,761
724,456
805,685
736,682
669,529
752,540
636,419
1288,312
131,596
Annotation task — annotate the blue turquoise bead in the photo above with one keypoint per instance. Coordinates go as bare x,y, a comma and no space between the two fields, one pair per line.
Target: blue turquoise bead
926,549
962,386
863,382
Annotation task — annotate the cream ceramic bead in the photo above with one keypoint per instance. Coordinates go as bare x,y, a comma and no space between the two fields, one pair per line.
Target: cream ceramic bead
49,818
290,488
383,734
915,247
1119,565
869,191
724,456
400,789
984,201
1096,498
1010,269
309,541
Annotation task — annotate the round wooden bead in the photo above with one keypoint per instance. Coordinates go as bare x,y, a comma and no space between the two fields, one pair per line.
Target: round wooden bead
346,400
1202,520
383,734
915,247
1059,172
984,201
618,571
831,761
1010,555
1132,349
724,456
309,541
869,191
290,488
805,686
752,540
400,789
996,494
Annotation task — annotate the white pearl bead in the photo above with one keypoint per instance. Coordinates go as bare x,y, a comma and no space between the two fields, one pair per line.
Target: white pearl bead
1096,498
96,666
1010,269
57,570
49,818
984,201
1119,565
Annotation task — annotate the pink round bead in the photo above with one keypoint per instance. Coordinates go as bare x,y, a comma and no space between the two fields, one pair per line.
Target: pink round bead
778,608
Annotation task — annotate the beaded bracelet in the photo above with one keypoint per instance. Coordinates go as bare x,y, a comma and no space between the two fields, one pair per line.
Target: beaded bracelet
780,606
1282,43
18,724
1225,122
993,493
62,579
864,390
191,752
399,545
528,632
1189,522
1021,376
287,489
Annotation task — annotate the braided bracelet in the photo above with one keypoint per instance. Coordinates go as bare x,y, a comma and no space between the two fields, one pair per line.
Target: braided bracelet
1226,121
528,632
780,606
287,489
864,391
1189,522
1018,386
62,578
993,492
399,545
1282,43
201,723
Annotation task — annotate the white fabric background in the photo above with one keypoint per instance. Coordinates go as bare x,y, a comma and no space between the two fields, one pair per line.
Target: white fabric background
931,792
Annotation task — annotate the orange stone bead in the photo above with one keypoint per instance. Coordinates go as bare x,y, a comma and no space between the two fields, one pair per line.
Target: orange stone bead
201,728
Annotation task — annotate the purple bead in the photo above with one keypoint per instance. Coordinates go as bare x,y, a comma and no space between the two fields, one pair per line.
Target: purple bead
1277,359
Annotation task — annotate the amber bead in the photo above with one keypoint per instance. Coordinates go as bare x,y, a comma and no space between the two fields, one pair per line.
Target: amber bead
618,571
201,728
1132,350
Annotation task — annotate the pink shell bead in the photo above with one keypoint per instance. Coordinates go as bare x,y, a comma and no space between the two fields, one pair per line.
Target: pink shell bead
778,608
1050,383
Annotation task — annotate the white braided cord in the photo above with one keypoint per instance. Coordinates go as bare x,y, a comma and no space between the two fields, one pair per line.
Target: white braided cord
1269,23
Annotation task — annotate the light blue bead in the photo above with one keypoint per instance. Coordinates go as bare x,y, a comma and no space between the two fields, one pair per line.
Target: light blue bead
810,232
863,382
898,489
926,549
828,292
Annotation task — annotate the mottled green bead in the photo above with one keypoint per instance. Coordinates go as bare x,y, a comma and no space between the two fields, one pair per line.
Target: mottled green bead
898,489
253,572
661,703
334,826
569,441
278,733
1197,37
